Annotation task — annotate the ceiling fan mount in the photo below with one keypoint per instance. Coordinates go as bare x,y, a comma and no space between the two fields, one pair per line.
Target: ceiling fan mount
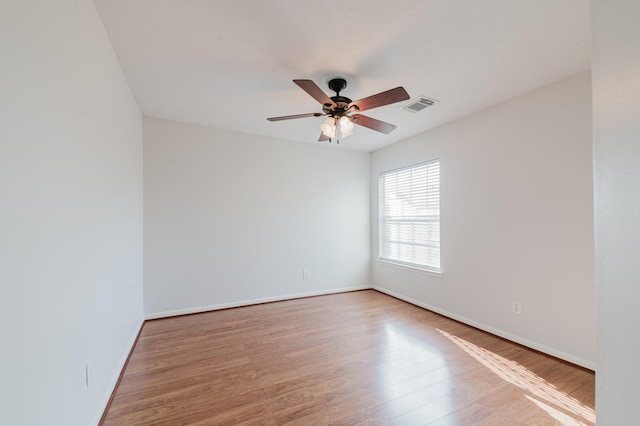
338,109
337,85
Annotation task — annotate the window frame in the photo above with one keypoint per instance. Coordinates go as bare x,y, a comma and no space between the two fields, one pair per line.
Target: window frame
383,221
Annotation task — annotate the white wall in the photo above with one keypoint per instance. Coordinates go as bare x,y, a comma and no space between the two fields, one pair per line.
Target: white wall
516,220
616,113
232,218
70,216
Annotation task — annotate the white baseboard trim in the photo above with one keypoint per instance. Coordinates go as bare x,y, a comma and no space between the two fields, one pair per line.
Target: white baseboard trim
102,406
238,304
512,337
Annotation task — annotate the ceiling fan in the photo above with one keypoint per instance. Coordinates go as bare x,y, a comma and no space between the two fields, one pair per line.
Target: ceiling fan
342,113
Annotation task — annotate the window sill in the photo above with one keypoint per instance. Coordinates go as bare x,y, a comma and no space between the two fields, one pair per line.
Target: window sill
410,268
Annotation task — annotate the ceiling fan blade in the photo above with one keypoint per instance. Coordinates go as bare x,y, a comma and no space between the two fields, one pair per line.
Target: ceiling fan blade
324,138
383,98
372,123
316,93
289,117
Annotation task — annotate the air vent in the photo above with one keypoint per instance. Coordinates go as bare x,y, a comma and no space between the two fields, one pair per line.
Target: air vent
419,104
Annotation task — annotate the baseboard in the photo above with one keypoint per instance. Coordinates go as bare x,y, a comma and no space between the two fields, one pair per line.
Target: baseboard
512,337
106,400
198,309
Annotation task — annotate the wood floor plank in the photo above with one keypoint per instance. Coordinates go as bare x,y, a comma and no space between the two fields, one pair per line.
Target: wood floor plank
352,358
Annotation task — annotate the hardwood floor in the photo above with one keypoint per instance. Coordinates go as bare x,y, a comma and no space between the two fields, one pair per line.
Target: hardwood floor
360,358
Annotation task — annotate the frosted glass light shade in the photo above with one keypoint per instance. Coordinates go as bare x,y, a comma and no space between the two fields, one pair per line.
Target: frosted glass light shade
328,127
346,126
331,130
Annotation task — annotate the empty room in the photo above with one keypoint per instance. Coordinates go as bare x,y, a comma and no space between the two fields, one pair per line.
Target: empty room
354,213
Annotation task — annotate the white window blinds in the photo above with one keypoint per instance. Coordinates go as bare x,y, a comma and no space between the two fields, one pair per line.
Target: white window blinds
410,216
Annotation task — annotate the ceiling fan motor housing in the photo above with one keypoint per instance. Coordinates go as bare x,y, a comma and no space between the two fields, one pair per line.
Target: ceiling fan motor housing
340,108
341,102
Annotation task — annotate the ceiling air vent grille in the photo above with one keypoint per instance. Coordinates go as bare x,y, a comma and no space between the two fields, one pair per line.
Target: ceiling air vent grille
419,104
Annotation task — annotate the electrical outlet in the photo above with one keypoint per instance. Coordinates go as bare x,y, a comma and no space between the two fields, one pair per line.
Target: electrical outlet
305,274
516,308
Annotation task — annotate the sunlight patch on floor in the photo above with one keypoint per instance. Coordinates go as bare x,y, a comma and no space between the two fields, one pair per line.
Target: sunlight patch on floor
556,414
518,375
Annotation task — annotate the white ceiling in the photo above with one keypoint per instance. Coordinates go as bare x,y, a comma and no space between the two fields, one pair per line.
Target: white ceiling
230,63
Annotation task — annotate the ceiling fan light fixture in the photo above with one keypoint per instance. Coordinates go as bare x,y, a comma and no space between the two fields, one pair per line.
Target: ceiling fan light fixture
346,126
337,128
328,127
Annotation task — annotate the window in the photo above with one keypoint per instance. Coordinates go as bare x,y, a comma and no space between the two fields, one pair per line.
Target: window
410,216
